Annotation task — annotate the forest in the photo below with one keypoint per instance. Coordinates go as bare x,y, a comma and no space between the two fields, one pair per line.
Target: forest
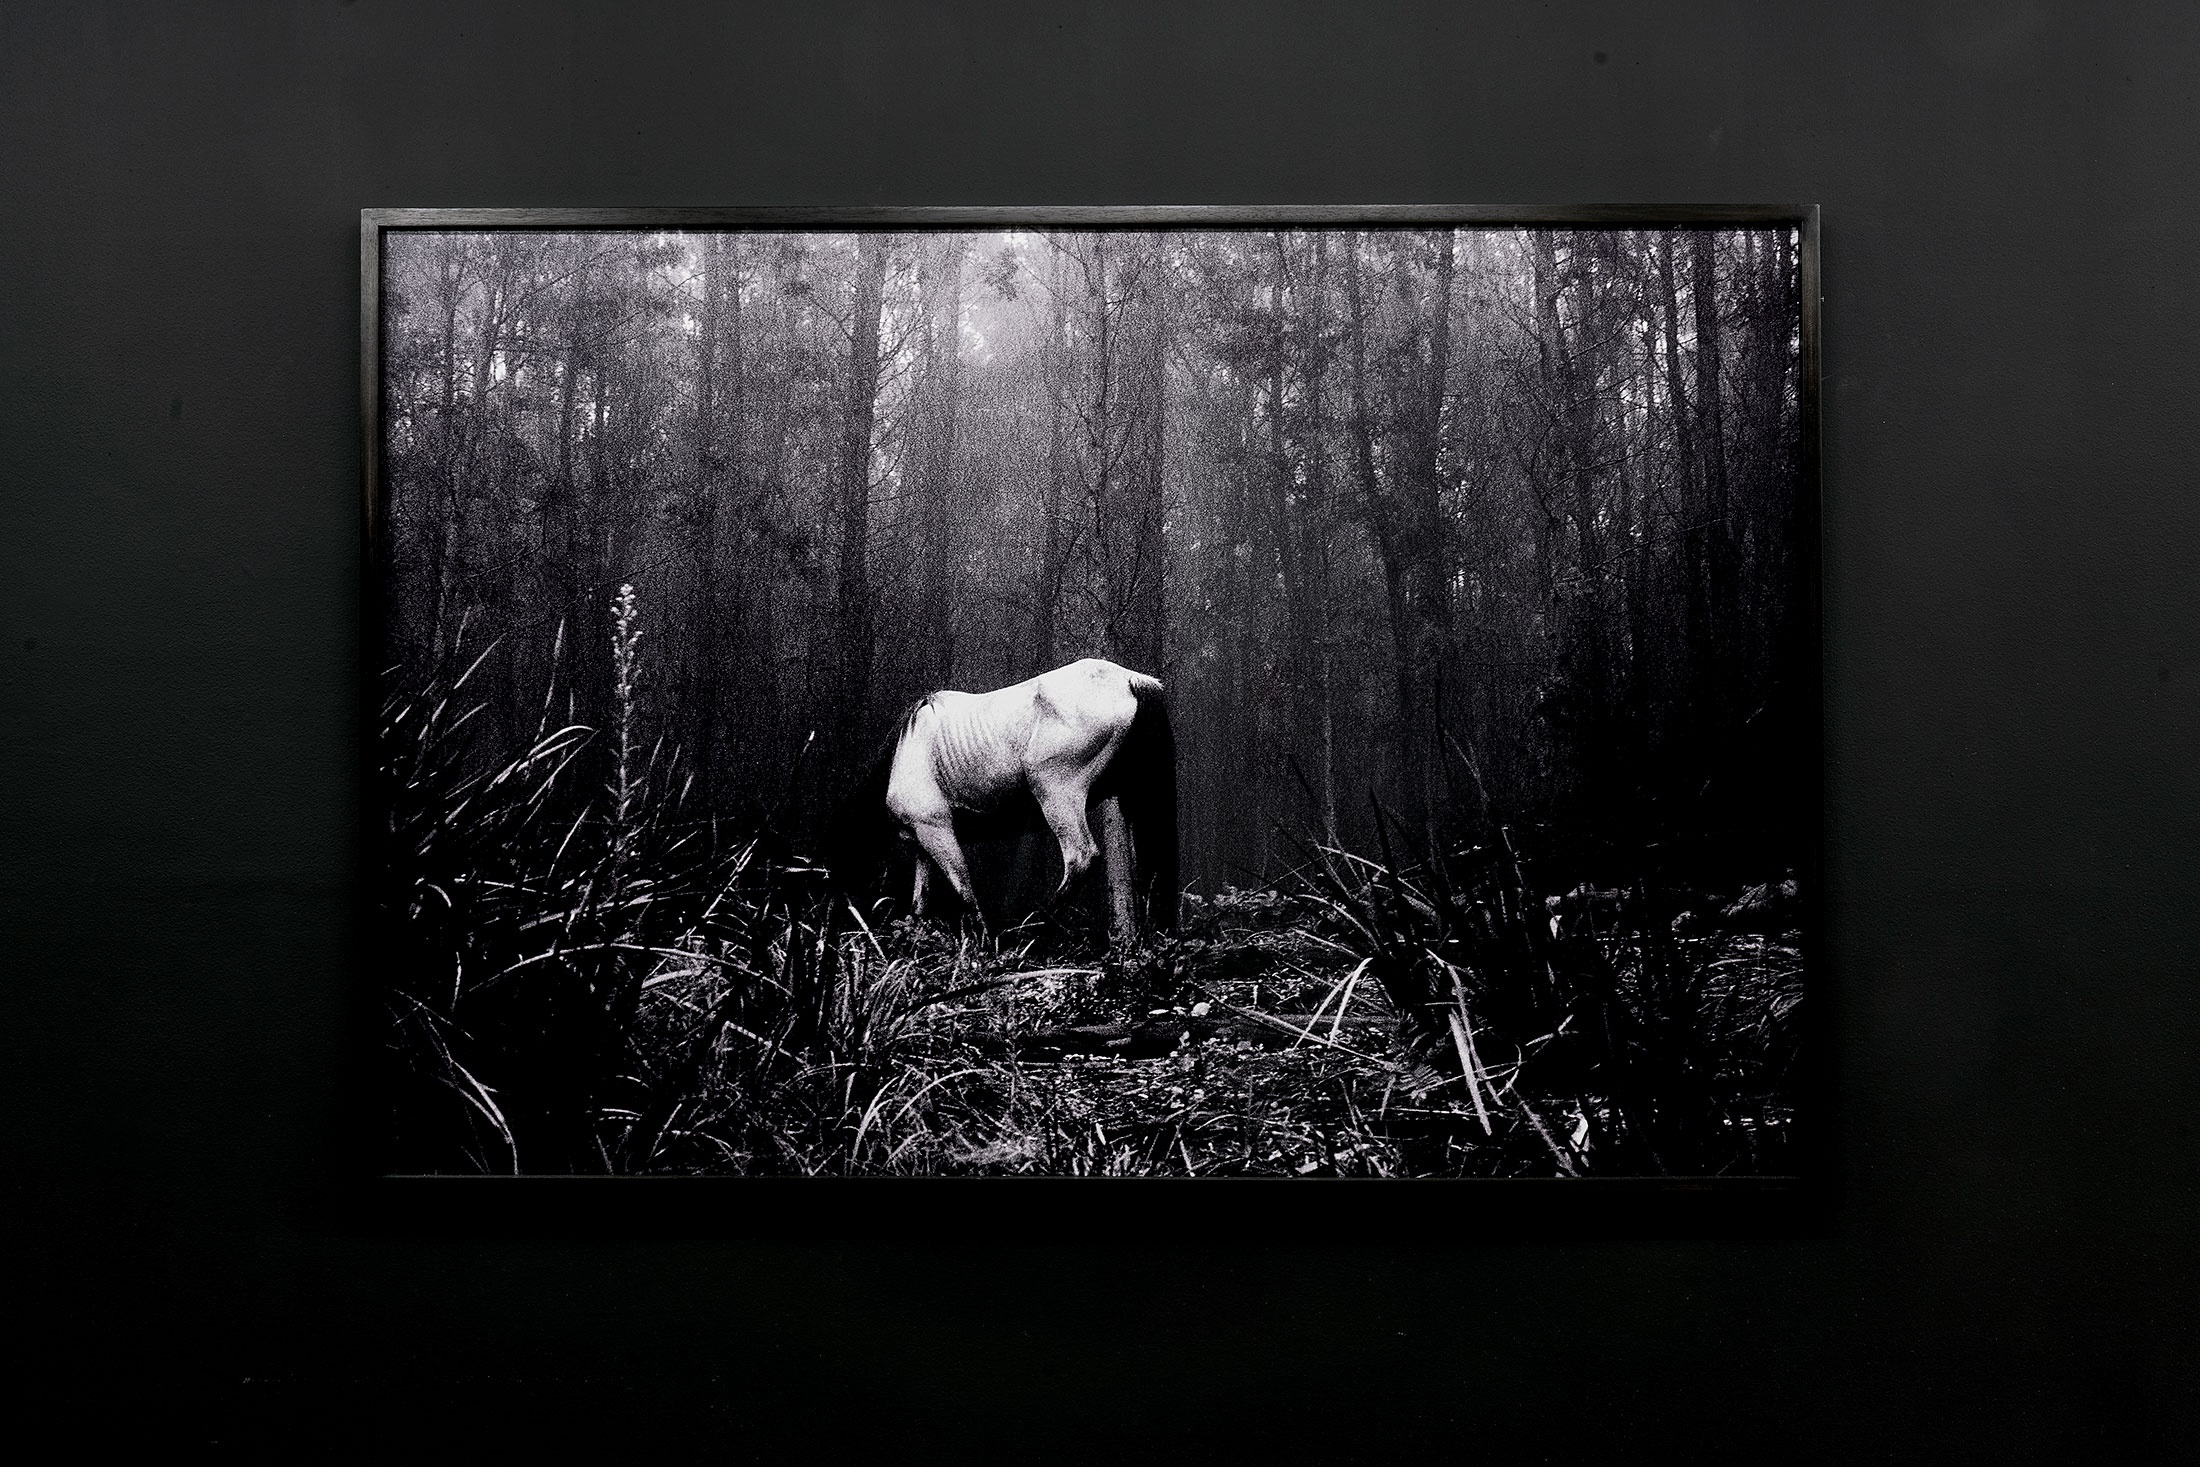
1478,563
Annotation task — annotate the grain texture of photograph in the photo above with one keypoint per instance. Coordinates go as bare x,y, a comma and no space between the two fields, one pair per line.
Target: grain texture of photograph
1337,700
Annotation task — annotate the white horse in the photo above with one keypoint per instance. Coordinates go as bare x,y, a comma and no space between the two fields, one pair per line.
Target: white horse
1091,738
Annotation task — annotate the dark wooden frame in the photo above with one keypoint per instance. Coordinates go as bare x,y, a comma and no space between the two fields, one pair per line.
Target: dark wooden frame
1143,1209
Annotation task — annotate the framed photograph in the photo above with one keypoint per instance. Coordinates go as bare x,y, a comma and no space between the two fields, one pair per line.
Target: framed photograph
1207,693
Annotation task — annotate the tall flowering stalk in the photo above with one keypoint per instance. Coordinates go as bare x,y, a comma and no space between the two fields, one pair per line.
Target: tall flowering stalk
626,637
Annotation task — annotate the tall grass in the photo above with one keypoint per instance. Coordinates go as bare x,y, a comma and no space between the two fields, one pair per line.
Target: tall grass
587,975
1607,1031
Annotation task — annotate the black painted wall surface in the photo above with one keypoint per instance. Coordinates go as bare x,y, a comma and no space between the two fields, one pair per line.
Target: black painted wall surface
2013,688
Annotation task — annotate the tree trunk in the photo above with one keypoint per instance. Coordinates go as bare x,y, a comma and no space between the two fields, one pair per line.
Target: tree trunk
1711,454
592,640
936,534
1283,515
1047,594
1314,367
740,588
565,535
702,628
853,625
1429,583
451,287
1687,476
1384,529
1145,616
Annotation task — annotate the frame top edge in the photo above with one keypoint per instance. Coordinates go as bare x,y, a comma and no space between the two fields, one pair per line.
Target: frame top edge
1210,215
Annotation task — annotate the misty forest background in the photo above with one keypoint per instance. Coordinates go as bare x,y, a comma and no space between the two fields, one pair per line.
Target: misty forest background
1485,540
1379,503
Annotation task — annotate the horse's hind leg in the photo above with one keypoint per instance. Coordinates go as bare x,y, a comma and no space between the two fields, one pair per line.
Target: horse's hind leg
1064,809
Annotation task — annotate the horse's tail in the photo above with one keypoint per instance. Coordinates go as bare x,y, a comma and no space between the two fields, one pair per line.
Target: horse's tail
1143,776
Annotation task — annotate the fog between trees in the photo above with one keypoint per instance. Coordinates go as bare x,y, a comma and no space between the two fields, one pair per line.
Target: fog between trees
1491,526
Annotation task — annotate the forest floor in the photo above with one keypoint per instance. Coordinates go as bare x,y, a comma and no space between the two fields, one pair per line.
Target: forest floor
1245,1045
1250,1043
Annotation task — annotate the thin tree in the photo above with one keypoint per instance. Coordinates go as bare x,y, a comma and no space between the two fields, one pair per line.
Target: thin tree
859,408
940,406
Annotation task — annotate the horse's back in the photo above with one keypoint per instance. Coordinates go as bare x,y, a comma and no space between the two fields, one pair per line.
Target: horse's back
1096,675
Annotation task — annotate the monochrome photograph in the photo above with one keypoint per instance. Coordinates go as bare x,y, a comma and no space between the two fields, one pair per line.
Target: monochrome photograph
1299,700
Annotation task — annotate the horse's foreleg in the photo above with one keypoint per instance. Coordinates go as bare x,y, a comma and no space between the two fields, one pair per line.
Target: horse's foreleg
938,840
1117,855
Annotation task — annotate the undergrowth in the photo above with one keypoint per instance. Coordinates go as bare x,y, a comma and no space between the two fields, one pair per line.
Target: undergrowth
588,974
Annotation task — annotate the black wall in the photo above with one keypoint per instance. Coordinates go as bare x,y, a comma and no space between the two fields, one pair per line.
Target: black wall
2013,689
